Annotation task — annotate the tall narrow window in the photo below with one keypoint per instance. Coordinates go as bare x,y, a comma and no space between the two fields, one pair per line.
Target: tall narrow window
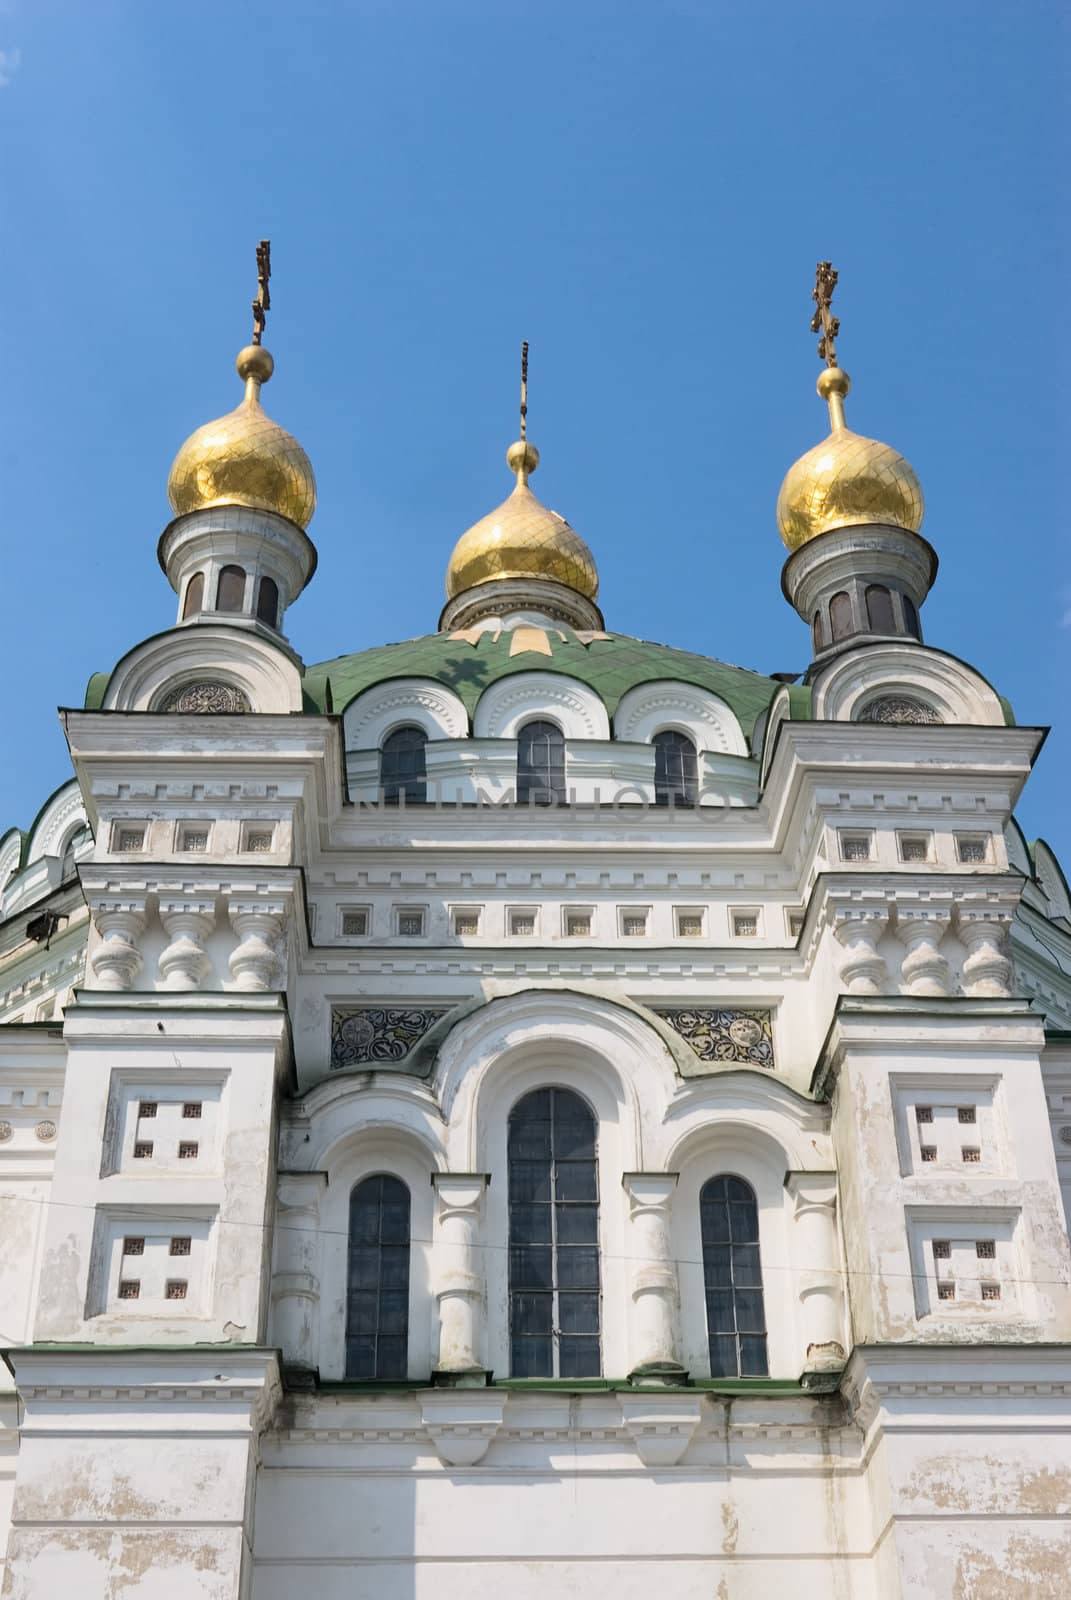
879,609
377,1302
911,617
732,1275
840,615
540,765
402,767
268,602
819,632
676,769
230,591
195,596
553,1238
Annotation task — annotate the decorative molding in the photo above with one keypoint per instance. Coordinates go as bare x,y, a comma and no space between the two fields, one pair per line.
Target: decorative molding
206,696
507,704
899,708
45,1131
366,1035
378,710
651,707
724,1035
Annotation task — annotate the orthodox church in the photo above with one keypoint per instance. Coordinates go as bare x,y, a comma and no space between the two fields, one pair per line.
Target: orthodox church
530,1111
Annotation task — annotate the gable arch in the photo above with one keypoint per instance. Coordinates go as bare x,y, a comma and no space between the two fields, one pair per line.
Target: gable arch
506,705
945,689
403,702
652,708
62,815
608,1054
147,677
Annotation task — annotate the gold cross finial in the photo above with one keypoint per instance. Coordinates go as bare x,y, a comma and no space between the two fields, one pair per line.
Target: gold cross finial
823,321
262,302
524,390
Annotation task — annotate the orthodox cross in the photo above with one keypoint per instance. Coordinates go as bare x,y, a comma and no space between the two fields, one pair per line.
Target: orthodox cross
262,302
524,390
823,321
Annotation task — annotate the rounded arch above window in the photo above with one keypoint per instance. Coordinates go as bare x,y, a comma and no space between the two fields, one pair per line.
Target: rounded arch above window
505,706
653,708
422,702
903,682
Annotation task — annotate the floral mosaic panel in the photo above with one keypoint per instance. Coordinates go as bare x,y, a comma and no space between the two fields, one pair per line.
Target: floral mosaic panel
725,1036
364,1035
206,697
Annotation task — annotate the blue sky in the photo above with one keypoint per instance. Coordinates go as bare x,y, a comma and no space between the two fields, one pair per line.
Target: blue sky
641,191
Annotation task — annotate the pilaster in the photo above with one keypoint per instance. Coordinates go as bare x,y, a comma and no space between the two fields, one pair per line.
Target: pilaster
136,1472
460,1285
655,1291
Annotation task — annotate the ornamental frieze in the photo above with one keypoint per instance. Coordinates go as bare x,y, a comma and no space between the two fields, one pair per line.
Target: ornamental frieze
724,1036
366,1035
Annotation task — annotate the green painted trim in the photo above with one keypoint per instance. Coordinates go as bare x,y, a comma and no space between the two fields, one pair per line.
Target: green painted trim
96,689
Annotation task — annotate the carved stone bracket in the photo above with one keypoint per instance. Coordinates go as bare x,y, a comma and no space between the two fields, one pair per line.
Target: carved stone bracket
116,960
924,971
462,1426
184,962
858,929
662,1428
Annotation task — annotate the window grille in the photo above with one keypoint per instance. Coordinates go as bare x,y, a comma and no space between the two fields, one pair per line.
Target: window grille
732,1275
540,765
403,766
676,769
377,1308
554,1302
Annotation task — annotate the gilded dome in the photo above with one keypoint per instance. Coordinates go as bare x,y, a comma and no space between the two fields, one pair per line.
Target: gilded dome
846,480
522,539
244,458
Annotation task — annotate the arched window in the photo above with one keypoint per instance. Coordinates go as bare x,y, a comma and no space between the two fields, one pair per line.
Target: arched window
553,1238
402,767
377,1289
732,1276
540,765
818,631
195,596
72,844
840,615
268,602
676,769
911,617
230,590
879,609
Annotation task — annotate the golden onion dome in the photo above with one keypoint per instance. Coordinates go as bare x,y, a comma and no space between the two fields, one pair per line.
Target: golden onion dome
244,458
847,479
522,539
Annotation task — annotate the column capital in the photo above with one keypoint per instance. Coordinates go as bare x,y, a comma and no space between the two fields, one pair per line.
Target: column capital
808,1189
649,1191
460,1191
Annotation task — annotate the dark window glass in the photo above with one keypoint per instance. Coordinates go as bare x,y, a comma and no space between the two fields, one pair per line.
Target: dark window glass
268,602
840,615
230,591
732,1276
911,617
541,765
819,632
879,609
402,770
676,769
553,1238
377,1298
195,595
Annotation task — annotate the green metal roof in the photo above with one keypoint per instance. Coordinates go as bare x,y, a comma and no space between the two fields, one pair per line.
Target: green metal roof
610,665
